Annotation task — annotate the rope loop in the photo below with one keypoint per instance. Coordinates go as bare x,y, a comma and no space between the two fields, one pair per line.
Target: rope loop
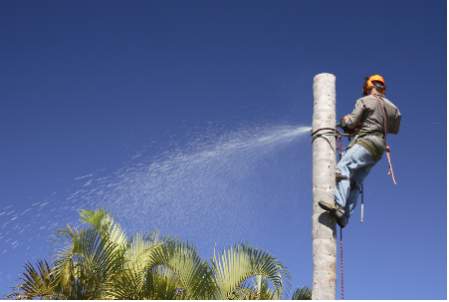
334,132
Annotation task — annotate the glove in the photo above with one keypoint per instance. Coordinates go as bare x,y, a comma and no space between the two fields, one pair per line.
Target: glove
344,126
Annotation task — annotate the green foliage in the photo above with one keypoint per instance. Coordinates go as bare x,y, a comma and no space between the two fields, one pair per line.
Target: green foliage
303,293
102,262
242,262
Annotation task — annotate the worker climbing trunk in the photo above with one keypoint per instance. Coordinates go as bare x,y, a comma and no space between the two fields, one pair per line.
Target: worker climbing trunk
372,118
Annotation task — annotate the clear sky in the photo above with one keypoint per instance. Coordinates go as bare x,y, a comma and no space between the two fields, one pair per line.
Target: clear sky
94,93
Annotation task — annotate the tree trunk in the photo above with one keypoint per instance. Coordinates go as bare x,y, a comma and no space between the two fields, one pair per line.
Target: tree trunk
324,241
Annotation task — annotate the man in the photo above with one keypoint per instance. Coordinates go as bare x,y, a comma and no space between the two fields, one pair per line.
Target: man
366,149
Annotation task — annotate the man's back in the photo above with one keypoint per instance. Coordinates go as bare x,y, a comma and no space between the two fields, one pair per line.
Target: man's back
369,112
372,118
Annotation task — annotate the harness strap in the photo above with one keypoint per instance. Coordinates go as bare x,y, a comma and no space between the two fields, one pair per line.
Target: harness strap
339,177
387,149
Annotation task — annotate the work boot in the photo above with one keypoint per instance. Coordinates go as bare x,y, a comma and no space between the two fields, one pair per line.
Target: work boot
343,221
337,211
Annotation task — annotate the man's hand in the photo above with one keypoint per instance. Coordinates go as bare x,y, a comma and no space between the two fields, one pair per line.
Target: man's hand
343,124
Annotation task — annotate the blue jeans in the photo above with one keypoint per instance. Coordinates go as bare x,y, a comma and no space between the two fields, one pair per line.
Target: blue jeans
356,164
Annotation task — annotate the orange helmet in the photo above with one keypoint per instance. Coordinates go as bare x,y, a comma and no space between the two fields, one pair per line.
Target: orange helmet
369,83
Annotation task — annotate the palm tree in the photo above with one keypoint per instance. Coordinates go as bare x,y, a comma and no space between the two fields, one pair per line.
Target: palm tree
324,243
102,262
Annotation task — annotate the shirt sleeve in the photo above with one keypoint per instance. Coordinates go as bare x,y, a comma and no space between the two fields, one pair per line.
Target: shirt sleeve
394,129
357,114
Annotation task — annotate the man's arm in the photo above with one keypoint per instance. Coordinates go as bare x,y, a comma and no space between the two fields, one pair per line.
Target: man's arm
353,119
394,128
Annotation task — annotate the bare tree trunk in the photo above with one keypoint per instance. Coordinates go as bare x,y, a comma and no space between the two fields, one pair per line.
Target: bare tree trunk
324,242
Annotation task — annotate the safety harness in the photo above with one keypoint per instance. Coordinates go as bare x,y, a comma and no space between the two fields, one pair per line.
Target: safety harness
359,137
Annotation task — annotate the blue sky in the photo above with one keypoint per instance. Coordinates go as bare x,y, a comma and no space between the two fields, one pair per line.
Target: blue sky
101,89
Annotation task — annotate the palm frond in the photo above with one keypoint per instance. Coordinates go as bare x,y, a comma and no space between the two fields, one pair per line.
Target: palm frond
139,248
241,262
303,293
263,292
84,259
193,275
159,283
106,226
135,281
163,284
37,283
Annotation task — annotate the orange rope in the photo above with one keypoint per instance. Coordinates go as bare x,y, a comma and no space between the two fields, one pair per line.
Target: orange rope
387,149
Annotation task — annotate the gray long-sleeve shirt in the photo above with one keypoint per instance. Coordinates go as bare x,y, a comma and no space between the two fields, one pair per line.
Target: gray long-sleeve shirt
369,112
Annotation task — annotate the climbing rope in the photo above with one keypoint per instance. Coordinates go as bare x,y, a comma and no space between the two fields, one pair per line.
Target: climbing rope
341,265
387,149
341,252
